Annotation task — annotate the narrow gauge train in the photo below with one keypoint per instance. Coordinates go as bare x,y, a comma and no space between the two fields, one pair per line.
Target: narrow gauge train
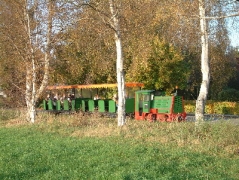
145,105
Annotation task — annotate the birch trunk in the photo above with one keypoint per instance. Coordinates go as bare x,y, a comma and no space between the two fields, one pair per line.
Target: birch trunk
119,66
201,100
32,93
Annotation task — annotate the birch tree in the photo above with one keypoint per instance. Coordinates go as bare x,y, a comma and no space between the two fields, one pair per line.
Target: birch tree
32,92
202,97
205,69
119,62
112,20
31,35
30,39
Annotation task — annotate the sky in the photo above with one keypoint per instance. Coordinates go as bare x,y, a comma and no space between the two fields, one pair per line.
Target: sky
234,37
234,33
233,27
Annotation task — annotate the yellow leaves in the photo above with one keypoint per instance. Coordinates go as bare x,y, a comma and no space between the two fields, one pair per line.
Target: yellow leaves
215,107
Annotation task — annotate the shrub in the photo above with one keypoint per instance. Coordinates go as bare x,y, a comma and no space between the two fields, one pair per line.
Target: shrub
214,107
228,95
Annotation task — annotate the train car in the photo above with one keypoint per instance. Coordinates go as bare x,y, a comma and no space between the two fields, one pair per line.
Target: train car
85,102
145,105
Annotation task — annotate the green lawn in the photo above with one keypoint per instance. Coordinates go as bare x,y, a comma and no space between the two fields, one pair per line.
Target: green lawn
57,149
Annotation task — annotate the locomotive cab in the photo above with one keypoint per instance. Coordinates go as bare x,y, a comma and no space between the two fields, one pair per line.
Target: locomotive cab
142,103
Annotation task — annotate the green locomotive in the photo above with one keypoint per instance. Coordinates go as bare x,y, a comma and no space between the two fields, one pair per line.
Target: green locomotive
150,106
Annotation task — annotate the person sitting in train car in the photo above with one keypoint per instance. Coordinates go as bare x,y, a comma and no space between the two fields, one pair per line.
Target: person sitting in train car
62,98
55,98
48,100
126,95
115,99
72,96
48,97
96,97
69,98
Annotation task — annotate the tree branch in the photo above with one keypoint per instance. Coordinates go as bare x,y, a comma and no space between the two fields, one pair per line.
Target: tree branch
222,17
100,12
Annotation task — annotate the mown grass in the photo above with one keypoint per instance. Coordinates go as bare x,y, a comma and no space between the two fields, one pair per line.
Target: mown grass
89,147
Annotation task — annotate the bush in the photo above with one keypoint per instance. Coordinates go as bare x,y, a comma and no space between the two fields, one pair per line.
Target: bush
228,95
214,107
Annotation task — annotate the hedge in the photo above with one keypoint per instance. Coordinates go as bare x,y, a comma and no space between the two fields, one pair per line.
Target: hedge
214,107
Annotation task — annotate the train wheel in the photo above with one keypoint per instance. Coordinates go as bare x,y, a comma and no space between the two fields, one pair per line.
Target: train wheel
179,118
154,117
150,117
130,115
166,118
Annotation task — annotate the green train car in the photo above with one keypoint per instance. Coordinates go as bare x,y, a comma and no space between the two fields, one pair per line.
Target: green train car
87,105
146,105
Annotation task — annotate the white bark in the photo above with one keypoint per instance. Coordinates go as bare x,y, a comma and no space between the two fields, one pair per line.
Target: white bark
119,65
32,94
201,100
47,50
30,72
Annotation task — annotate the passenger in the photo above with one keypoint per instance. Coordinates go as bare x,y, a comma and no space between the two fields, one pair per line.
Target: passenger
69,97
72,96
55,99
62,98
48,97
115,98
126,96
48,102
96,97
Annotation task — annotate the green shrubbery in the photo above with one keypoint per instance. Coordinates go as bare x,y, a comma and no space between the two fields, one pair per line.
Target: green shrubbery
214,107
227,103
228,95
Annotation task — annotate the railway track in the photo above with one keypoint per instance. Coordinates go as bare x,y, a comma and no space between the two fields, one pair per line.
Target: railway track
215,117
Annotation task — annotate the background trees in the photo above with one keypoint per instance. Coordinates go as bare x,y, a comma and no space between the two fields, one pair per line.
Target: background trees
173,22
12,69
160,40
86,53
165,68
28,33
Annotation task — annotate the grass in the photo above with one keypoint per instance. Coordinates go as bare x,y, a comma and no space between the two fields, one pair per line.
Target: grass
82,147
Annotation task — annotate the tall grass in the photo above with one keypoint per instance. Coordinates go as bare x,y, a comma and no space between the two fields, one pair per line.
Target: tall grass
88,147
6,114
